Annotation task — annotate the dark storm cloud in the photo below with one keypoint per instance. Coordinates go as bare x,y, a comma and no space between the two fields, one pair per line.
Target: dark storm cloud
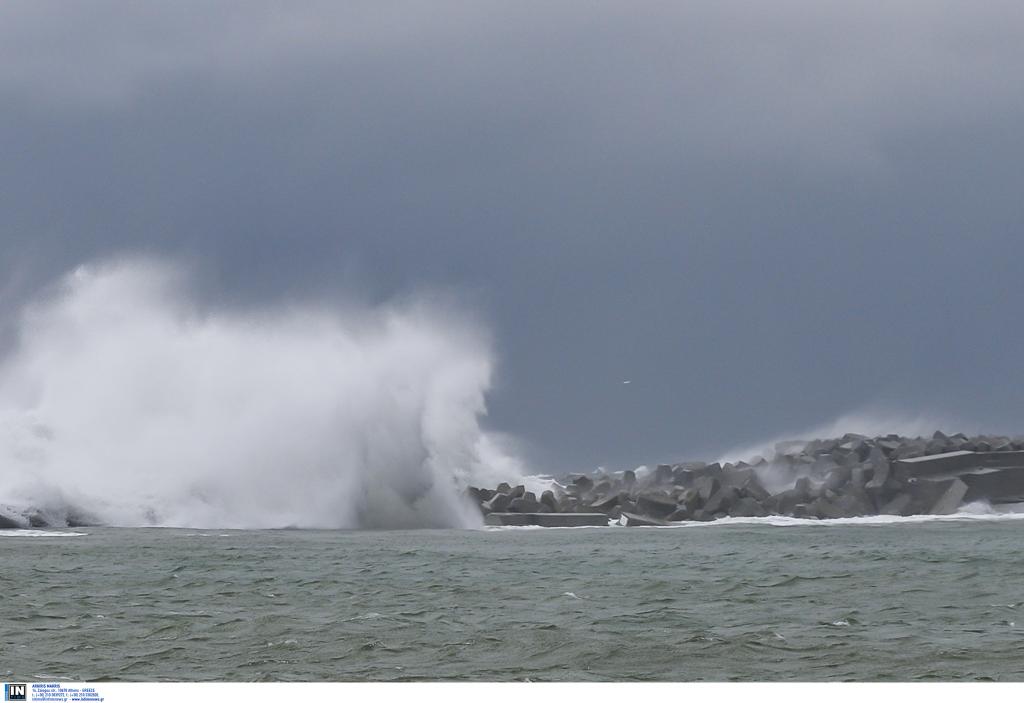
763,215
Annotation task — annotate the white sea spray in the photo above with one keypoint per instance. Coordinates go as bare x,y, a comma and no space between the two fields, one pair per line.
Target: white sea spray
125,399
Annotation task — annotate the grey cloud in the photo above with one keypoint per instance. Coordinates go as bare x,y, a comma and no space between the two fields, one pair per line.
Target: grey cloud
819,83
763,214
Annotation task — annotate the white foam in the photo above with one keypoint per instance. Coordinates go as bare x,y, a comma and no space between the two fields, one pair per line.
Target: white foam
40,533
968,513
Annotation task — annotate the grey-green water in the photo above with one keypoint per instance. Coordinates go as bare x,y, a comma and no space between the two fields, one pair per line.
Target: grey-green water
906,601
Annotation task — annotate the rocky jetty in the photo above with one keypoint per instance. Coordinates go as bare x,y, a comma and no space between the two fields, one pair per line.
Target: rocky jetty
851,476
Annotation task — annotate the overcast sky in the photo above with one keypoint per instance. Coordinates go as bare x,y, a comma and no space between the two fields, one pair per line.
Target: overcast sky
763,215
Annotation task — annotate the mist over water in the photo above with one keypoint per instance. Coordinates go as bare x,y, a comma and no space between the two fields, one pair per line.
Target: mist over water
125,401
868,422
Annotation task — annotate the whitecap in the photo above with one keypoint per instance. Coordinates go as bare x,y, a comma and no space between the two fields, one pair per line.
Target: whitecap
968,513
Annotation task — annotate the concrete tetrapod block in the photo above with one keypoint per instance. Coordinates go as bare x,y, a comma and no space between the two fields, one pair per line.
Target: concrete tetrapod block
706,486
753,488
880,475
737,477
950,499
680,515
925,493
722,499
604,505
862,501
803,487
785,503
663,473
582,484
655,505
822,465
856,503
523,505
858,477
689,499
844,457
498,503
681,477
567,504
747,507
900,505
838,477
698,469
548,498
826,509
889,446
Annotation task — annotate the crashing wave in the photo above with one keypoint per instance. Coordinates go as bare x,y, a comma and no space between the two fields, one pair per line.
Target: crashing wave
126,402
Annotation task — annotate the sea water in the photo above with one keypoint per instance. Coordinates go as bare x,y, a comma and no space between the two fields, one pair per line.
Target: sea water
778,600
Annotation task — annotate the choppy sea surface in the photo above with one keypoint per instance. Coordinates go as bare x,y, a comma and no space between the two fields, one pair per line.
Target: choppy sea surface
939,599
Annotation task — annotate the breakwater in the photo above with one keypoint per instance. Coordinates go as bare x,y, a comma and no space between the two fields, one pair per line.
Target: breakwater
845,477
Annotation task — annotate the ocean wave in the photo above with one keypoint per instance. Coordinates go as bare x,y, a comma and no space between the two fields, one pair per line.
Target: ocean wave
127,402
